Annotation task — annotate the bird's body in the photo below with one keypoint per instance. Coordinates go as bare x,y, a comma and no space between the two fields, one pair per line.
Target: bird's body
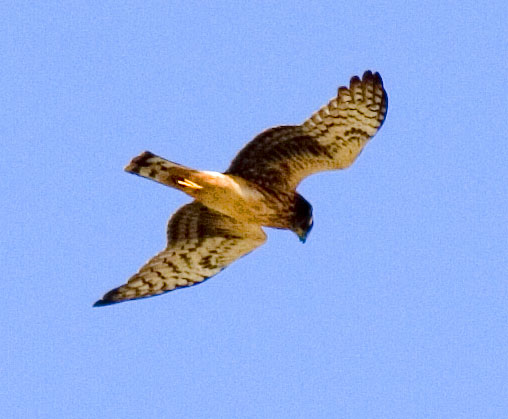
258,190
228,194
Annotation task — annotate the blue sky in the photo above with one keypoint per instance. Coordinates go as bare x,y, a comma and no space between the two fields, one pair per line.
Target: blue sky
396,306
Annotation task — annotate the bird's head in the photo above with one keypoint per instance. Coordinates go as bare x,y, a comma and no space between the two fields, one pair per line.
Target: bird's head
302,220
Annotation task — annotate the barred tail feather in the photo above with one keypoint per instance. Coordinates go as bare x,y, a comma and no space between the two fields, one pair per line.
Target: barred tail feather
156,168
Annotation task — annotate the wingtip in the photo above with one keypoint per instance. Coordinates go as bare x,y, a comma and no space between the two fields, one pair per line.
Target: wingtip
102,303
366,74
370,75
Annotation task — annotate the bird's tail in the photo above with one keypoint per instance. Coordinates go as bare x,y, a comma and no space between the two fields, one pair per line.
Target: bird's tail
163,171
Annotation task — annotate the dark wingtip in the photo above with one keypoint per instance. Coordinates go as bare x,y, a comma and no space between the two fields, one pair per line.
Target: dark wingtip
378,77
102,303
369,75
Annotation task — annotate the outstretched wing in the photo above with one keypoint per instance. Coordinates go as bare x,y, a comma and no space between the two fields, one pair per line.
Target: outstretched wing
330,139
201,242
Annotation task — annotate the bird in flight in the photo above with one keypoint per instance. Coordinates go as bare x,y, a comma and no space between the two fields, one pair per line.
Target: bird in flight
225,219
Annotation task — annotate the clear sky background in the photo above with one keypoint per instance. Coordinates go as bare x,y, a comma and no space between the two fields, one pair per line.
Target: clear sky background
397,305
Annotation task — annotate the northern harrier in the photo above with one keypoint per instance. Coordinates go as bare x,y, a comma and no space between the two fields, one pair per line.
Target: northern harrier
258,190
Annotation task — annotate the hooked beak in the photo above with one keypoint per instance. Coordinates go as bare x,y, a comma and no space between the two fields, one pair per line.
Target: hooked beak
303,236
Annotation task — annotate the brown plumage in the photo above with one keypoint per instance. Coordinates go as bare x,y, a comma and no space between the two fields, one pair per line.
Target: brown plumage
258,189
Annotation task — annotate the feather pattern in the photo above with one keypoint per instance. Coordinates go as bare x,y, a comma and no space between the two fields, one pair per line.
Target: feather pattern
201,242
332,138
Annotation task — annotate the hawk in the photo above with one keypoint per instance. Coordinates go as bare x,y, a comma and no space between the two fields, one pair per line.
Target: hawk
225,220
